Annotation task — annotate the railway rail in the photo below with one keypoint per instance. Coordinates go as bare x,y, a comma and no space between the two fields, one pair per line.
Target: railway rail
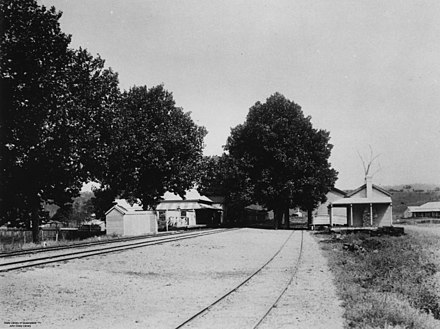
33,251
70,255
257,319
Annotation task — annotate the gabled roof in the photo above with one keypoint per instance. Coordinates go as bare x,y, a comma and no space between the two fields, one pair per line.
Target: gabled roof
185,205
255,207
119,209
124,208
193,200
360,188
124,211
431,205
375,200
190,195
217,199
334,189
124,204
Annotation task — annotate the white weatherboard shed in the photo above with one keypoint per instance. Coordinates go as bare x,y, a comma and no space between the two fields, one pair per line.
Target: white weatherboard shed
126,220
321,215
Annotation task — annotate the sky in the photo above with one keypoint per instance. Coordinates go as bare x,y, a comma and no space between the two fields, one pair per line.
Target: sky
366,71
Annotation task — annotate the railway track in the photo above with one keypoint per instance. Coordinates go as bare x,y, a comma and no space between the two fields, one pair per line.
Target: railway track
67,253
33,251
251,293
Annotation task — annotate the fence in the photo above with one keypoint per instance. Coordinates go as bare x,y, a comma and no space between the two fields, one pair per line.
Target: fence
20,236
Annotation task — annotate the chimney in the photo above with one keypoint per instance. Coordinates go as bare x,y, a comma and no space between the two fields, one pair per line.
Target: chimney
369,185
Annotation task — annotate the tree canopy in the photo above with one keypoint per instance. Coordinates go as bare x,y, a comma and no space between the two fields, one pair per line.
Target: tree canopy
222,176
156,147
64,122
285,159
36,154
56,103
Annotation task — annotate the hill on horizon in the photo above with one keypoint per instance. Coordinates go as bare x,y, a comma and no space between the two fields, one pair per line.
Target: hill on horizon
413,187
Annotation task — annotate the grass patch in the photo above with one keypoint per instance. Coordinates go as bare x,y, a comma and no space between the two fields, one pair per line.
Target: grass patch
384,282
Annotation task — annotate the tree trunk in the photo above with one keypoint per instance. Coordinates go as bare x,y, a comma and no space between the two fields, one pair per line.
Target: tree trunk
35,226
278,218
287,218
309,218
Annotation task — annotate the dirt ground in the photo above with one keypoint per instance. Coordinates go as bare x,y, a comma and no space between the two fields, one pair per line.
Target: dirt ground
161,286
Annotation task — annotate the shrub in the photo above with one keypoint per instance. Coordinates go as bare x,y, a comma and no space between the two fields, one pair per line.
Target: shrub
385,282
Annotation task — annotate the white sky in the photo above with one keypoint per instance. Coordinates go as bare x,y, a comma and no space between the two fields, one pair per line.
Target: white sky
367,71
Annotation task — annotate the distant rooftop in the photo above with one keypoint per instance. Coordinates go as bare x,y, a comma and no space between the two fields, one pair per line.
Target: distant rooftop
190,195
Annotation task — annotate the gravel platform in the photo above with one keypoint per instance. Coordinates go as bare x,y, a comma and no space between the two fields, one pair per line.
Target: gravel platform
162,286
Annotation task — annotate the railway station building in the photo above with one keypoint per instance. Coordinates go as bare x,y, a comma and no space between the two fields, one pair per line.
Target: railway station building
194,209
367,206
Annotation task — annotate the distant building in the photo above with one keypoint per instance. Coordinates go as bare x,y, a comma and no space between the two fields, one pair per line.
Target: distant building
429,209
193,209
255,213
218,201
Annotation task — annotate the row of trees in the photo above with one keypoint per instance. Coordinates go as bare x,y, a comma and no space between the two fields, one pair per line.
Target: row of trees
64,121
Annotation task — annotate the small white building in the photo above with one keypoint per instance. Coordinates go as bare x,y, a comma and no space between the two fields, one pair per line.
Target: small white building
127,220
321,215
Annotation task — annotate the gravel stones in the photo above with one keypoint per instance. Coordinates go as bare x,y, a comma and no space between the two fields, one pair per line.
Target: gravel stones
152,287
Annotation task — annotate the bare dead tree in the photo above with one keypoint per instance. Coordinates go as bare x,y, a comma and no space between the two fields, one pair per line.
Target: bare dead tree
367,163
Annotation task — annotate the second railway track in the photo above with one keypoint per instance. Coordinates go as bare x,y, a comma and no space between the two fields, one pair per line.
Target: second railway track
65,254
33,251
248,304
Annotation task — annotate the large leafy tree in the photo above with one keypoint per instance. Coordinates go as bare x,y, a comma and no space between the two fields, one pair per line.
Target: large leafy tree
285,159
92,111
156,148
222,176
51,111
214,174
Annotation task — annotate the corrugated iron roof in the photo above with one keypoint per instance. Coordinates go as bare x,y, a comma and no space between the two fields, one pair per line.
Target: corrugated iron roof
427,207
124,204
255,207
334,189
125,211
191,194
348,201
185,205
360,188
431,205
